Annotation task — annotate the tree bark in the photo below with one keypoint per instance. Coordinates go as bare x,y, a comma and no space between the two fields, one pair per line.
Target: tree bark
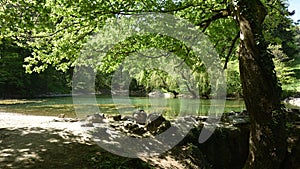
261,91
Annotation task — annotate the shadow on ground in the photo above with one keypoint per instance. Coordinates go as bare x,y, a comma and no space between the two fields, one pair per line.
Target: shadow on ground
42,148
38,148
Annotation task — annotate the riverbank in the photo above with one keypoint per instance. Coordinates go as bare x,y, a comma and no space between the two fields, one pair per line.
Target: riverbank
16,120
36,142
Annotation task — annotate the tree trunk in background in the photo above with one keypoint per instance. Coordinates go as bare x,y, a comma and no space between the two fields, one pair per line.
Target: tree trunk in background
261,91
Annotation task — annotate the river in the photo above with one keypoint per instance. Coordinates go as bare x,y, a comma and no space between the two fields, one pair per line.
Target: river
108,105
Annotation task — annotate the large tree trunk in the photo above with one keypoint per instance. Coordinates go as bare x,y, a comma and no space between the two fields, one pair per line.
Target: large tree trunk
261,91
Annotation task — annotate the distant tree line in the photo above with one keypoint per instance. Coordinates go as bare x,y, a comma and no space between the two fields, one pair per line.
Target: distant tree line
15,83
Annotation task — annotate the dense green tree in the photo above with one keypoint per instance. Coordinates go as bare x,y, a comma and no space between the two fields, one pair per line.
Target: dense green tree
14,82
278,29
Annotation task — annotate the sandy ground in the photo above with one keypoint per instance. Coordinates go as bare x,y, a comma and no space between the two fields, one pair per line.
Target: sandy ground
28,141
14,120
36,142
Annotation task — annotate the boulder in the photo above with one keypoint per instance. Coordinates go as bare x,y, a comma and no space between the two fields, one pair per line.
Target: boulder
235,117
158,93
156,123
117,118
140,116
293,101
95,118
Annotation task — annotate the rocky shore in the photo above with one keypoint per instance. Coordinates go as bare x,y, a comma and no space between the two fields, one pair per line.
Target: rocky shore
226,148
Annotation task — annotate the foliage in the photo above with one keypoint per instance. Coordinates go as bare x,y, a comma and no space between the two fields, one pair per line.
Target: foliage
56,31
283,72
234,86
280,30
14,82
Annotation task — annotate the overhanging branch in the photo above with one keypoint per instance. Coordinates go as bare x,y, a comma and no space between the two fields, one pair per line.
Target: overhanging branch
231,49
223,13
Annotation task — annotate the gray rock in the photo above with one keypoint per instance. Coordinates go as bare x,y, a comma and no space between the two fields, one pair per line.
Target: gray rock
160,94
127,118
156,123
293,101
61,116
117,118
152,117
240,120
235,117
245,113
232,113
138,130
140,116
130,125
95,118
87,125
156,94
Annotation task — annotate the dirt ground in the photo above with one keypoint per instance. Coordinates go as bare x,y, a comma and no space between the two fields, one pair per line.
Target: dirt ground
43,148
40,142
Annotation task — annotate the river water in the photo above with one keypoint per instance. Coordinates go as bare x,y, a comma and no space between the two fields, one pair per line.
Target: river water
170,108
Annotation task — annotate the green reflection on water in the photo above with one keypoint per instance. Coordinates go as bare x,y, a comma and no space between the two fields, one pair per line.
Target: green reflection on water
170,108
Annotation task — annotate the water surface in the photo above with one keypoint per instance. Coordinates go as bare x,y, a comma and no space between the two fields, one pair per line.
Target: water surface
168,107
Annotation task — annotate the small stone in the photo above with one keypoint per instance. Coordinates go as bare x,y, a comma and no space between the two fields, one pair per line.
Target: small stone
244,112
163,127
127,118
114,125
240,121
152,117
87,125
127,124
95,118
139,131
61,116
232,113
74,120
117,118
56,120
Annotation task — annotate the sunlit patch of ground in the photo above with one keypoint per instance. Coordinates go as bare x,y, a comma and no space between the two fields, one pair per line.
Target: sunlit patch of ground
18,101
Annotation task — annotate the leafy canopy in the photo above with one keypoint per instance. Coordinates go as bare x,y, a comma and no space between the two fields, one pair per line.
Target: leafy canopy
56,30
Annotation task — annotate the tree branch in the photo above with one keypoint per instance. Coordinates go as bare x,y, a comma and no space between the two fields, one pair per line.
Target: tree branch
223,13
231,49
